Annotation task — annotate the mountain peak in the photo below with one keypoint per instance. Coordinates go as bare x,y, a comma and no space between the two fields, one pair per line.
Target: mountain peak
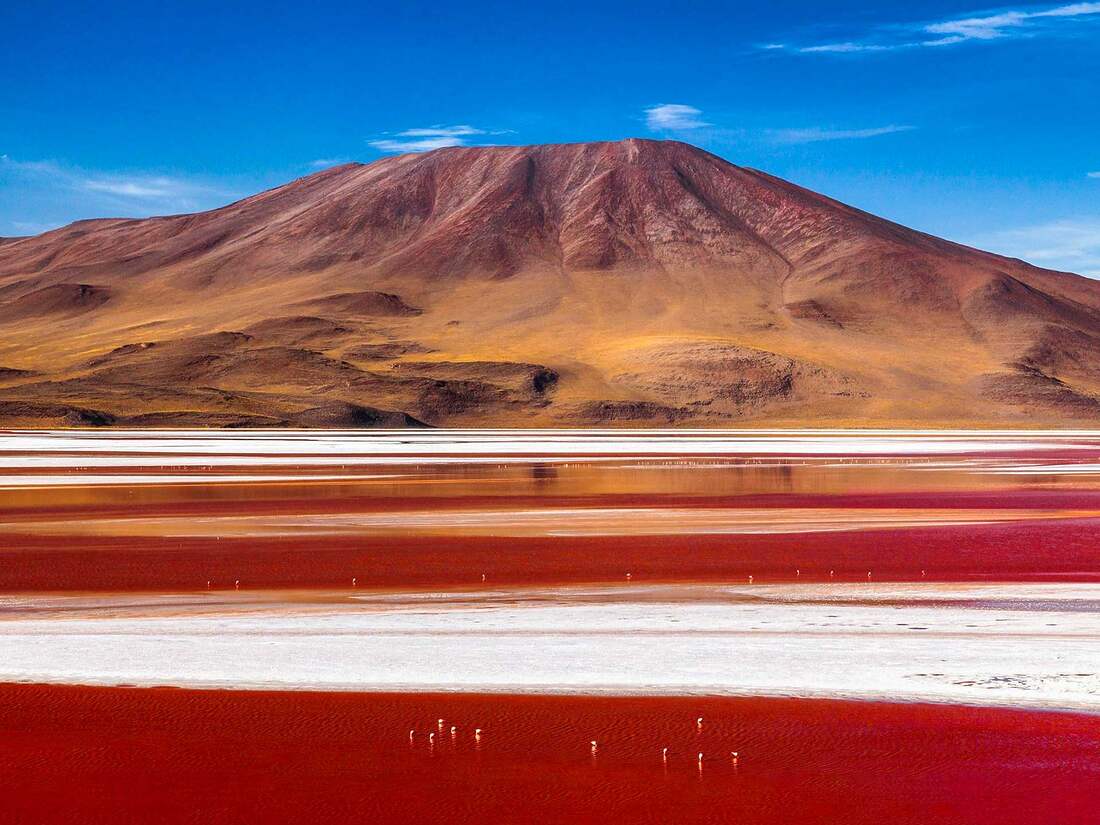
623,281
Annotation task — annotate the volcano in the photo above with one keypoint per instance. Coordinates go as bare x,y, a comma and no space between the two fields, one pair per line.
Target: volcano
633,283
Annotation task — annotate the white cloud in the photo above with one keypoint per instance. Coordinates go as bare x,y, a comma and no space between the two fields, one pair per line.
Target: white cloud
442,131
427,138
849,48
1010,23
325,163
1094,174
815,134
674,117
29,167
146,187
38,194
1070,244
979,28
31,227
421,145
140,186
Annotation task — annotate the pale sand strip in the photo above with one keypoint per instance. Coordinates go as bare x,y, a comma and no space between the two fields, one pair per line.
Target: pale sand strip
1020,644
545,521
86,448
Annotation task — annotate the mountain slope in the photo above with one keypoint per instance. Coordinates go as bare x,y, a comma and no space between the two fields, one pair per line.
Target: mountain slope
635,282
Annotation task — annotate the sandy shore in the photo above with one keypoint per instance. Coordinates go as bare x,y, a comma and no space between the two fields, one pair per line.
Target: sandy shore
1019,645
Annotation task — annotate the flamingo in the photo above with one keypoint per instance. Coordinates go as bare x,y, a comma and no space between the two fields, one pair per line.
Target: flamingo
699,723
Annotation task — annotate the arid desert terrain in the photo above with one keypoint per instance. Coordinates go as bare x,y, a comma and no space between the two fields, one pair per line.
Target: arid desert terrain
633,283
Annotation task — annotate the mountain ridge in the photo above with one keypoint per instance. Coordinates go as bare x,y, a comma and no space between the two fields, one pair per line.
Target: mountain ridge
658,282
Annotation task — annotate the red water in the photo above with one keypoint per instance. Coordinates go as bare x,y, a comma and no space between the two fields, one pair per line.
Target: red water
89,755
1020,551
143,534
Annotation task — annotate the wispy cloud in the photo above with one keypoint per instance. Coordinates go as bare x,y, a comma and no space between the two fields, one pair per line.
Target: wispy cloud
325,163
1094,174
851,48
443,131
1001,25
1070,244
180,191
427,138
674,117
814,134
418,145
43,194
32,227
32,167
146,187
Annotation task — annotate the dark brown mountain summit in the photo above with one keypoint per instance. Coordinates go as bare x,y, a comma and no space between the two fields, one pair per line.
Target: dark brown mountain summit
639,282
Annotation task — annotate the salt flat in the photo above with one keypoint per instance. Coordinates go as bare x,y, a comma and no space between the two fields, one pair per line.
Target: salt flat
1015,644
115,448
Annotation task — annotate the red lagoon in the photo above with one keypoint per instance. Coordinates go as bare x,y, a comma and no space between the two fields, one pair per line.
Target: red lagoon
78,754
1037,550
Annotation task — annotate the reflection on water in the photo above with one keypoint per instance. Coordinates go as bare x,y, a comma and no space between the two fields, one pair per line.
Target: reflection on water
697,504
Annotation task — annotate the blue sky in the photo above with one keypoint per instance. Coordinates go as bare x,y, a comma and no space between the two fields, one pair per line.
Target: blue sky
980,124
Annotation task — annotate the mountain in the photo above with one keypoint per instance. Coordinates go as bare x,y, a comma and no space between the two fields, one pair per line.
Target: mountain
630,283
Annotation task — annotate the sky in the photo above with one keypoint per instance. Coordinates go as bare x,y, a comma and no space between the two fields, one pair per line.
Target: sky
978,124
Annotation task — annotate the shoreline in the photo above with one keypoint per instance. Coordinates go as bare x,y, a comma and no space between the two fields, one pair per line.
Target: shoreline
687,692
